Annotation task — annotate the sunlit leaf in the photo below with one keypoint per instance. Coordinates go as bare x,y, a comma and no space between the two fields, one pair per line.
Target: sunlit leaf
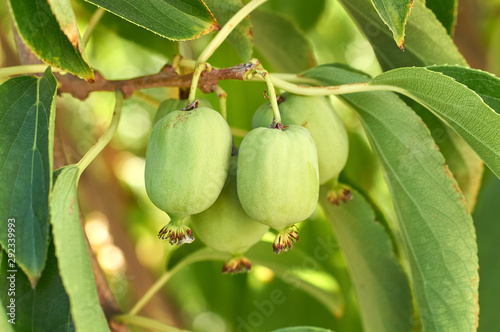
457,105
426,41
40,30
27,107
394,13
173,19
73,257
241,37
436,232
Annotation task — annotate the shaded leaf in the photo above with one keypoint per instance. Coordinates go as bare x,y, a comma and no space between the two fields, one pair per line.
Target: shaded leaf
173,19
487,221
381,286
302,329
27,108
72,253
395,13
445,11
427,42
241,37
436,232
45,308
40,30
461,108
281,43
305,13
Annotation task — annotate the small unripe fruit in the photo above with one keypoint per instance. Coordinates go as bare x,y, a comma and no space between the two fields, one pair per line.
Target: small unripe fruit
278,181
187,161
226,227
170,105
316,114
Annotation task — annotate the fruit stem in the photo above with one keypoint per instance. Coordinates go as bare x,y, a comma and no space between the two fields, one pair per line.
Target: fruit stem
200,67
227,29
105,138
259,72
26,69
222,95
94,19
144,322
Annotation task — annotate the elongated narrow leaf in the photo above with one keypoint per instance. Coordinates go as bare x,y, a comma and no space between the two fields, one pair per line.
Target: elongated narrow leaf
305,13
281,42
296,268
241,37
445,11
395,13
40,30
72,254
436,231
486,85
427,42
67,21
45,308
173,19
381,286
487,220
27,107
457,105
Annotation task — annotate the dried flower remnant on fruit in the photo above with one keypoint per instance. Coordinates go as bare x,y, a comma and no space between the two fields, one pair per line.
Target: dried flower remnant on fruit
176,234
285,239
236,265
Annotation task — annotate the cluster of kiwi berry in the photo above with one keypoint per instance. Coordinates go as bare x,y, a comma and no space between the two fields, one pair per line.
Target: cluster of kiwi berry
232,197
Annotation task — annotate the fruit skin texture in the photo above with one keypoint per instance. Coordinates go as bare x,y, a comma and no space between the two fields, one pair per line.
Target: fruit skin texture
187,160
169,105
278,181
225,226
317,115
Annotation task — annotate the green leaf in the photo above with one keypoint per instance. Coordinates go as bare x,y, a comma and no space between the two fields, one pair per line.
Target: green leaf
461,108
427,42
487,220
67,21
486,85
296,268
394,13
45,308
241,37
436,232
445,11
381,286
27,108
72,253
305,13
466,166
281,42
40,30
173,19
302,329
